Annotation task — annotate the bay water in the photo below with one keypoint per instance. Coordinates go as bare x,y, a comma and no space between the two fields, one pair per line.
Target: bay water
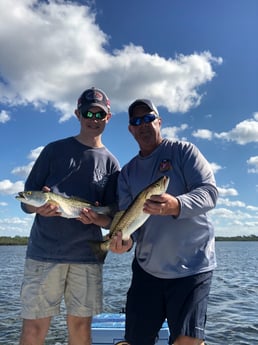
233,306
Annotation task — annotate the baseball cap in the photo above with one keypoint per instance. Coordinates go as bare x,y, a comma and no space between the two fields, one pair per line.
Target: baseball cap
147,102
93,98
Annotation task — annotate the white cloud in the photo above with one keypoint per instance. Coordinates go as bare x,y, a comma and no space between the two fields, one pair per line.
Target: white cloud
229,203
33,155
4,116
245,132
215,167
15,226
7,187
203,134
172,132
227,192
67,48
253,162
23,171
3,204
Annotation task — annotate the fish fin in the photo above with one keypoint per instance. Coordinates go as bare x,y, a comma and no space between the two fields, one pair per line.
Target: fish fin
53,202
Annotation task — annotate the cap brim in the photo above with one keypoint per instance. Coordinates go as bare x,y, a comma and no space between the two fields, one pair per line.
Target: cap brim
106,109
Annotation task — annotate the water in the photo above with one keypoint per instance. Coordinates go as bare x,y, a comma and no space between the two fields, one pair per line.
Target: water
233,307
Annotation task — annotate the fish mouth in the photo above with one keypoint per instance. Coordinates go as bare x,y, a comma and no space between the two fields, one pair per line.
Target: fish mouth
21,195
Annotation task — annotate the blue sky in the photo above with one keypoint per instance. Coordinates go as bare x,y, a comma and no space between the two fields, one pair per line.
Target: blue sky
197,60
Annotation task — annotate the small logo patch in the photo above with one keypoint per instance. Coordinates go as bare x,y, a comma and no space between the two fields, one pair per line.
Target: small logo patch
165,165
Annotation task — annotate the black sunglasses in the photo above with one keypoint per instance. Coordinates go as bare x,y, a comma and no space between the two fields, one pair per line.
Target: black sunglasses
99,115
137,121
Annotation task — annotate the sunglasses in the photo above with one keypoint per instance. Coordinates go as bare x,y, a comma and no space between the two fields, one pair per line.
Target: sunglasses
137,121
99,115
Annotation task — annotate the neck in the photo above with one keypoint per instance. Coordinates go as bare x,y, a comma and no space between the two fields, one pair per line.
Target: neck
92,142
146,150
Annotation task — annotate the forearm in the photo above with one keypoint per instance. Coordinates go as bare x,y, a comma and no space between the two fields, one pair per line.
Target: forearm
198,201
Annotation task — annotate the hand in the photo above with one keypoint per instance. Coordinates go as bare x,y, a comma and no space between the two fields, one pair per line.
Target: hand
47,210
162,205
118,245
88,216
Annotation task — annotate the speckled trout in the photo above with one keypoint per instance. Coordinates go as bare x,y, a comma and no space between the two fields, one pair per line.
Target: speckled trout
129,220
68,207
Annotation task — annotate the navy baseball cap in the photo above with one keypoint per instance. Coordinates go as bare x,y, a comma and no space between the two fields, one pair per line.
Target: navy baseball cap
93,98
146,102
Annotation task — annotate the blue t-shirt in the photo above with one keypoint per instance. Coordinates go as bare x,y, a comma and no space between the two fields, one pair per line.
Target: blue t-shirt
167,246
70,168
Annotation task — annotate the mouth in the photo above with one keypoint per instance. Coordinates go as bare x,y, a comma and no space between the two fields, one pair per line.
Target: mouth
93,126
21,195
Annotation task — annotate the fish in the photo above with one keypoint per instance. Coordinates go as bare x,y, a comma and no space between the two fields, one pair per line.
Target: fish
69,207
131,219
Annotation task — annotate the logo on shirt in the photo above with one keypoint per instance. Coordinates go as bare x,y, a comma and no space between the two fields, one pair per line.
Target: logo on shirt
165,165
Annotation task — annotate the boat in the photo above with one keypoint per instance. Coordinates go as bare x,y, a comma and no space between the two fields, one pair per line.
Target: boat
108,328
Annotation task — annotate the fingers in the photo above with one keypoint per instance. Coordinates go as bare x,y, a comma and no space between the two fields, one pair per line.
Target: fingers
154,208
48,210
88,216
118,245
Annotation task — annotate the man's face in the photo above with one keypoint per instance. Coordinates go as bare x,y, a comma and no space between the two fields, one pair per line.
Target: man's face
147,133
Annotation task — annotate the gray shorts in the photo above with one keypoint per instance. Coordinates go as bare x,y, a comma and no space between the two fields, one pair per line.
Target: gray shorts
45,284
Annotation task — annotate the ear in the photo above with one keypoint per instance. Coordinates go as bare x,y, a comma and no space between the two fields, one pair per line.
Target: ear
130,129
77,113
109,115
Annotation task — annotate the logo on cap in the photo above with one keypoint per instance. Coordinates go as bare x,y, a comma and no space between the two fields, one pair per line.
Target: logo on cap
93,95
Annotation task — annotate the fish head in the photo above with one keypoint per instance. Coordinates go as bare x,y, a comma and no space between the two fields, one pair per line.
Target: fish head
158,187
34,198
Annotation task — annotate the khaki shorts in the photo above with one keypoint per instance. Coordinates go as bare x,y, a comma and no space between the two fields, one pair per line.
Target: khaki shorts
45,284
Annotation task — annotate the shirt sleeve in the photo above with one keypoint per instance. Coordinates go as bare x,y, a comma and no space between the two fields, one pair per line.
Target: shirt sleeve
200,181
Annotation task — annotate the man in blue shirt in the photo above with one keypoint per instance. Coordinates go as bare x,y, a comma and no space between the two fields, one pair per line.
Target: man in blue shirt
175,247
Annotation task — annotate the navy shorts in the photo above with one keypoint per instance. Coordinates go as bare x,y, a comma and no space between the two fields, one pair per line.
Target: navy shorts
150,300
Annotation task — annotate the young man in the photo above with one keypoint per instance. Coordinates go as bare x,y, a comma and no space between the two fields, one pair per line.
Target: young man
59,260
174,254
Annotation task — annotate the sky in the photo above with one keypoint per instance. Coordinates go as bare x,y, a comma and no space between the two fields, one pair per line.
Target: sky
197,60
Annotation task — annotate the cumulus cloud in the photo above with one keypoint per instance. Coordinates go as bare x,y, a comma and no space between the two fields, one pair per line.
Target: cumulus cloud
203,134
244,132
172,132
23,171
62,34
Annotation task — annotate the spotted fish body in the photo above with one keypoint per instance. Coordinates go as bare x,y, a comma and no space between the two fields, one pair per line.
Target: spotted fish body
68,207
129,220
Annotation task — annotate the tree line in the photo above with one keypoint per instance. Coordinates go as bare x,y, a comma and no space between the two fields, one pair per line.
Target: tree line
19,240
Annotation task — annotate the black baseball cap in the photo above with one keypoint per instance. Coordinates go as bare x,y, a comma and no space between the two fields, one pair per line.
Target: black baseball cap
93,98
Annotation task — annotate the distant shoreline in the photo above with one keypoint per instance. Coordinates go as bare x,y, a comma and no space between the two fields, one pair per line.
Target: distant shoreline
19,241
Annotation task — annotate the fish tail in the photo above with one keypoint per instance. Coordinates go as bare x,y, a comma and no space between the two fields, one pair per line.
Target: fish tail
100,249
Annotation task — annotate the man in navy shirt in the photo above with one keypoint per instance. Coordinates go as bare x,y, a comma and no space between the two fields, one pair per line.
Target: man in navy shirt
59,261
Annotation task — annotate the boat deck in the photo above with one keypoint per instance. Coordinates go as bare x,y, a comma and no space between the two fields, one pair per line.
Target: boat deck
109,329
